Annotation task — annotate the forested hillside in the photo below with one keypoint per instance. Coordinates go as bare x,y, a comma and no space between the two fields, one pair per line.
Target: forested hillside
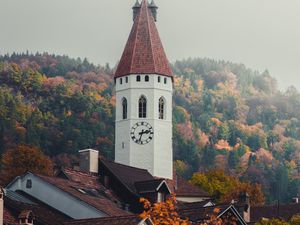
226,116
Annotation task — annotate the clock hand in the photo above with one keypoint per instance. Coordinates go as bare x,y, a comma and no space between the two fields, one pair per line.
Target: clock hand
141,134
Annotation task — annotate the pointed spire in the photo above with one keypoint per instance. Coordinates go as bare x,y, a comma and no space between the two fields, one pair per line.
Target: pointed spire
144,53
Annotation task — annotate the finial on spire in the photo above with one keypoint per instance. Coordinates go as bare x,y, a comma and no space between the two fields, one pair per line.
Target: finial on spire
136,8
153,7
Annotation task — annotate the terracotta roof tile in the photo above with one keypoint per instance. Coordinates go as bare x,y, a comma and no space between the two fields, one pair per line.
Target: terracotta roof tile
8,217
125,220
184,188
144,53
42,214
128,175
274,211
84,192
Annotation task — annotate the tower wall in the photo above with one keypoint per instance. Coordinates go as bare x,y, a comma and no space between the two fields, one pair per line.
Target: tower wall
156,156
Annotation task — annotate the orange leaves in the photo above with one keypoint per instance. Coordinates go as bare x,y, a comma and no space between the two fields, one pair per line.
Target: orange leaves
20,159
223,145
163,213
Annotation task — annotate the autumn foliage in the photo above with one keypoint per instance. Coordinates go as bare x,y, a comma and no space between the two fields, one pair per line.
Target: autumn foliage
227,188
21,159
163,213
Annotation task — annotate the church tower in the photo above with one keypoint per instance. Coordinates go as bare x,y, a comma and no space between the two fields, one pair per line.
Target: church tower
144,85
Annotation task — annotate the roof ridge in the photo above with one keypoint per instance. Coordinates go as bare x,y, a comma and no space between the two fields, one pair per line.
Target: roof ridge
150,34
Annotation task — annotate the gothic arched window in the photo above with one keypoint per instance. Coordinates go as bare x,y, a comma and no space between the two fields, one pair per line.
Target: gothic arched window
147,78
161,108
142,107
138,78
124,108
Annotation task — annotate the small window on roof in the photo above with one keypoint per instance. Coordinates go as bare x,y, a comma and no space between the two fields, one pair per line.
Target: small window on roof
138,78
146,78
28,183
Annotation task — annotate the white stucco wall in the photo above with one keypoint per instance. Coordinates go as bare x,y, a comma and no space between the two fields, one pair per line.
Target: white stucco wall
156,156
191,199
55,198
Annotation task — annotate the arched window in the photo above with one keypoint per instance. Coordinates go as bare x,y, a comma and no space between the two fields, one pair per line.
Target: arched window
161,108
124,108
147,78
138,78
142,107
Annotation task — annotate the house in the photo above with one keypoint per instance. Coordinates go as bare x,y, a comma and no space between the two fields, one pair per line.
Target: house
74,199
281,211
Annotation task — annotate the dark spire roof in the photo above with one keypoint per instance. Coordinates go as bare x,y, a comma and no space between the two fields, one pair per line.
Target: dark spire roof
144,53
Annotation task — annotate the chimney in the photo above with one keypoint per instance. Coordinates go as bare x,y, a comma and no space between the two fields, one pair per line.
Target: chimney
1,206
26,217
245,200
136,8
153,7
89,161
296,200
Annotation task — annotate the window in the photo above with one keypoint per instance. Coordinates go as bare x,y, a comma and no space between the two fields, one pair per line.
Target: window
123,145
126,79
165,80
29,183
160,197
147,78
142,107
121,81
161,108
138,78
124,108
158,79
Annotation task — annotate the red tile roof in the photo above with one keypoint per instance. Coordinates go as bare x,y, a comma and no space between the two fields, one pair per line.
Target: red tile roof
124,220
144,53
127,175
77,190
42,214
8,217
184,188
274,211
181,187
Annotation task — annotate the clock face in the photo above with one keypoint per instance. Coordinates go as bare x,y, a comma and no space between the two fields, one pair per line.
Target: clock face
142,133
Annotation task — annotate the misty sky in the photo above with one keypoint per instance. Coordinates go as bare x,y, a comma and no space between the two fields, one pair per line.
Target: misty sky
262,34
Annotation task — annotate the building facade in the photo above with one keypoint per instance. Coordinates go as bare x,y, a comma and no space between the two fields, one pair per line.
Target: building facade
144,85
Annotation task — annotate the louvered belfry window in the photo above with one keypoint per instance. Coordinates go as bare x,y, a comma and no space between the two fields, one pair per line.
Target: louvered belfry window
161,108
124,108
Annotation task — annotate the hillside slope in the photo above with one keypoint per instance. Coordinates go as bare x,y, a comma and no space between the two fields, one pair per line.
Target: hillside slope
225,116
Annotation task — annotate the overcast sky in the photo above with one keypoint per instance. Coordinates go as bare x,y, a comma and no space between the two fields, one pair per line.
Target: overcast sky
262,34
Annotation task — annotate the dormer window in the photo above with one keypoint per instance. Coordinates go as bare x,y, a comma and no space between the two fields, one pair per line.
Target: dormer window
147,78
138,78
28,183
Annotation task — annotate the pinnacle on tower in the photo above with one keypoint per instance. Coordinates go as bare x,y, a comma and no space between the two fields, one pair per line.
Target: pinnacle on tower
153,7
136,8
